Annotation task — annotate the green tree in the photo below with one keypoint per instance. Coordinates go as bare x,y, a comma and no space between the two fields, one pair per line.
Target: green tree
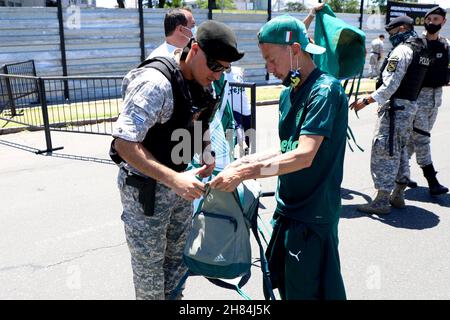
379,2
295,6
352,6
336,5
174,3
227,4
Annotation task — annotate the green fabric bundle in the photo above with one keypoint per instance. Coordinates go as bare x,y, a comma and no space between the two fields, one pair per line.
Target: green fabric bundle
345,45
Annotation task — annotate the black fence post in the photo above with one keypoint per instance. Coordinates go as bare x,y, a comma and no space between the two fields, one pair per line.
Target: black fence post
12,104
43,98
361,14
141,29
62,45
269,17
253,112
37,86
210,7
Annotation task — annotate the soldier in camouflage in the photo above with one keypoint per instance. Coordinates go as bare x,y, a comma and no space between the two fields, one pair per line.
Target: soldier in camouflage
397,90
156,191
430,99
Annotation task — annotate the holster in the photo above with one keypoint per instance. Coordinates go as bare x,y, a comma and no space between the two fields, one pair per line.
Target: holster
146,187
393,107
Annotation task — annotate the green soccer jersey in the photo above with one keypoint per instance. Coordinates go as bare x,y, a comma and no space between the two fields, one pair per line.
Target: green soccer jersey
313,194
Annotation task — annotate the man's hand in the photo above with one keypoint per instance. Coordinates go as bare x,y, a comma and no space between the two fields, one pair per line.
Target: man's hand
361,103
227,180
317,8
208,165
187,186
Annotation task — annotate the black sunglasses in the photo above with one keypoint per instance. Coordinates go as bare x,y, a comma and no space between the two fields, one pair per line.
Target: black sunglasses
214,66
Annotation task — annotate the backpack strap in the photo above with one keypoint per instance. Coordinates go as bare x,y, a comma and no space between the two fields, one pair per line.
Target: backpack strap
267,284
238,287
170,69
173,295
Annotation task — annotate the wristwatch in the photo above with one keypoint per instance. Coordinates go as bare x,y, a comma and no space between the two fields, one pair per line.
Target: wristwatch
366,101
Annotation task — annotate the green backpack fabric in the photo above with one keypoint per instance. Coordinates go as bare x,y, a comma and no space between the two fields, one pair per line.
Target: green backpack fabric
218,245
345,45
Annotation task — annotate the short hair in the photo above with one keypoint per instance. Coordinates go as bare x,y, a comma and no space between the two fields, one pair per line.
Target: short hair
381,36
186,8
173,19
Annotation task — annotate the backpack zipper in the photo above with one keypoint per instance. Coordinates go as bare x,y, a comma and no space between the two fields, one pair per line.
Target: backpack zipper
221,216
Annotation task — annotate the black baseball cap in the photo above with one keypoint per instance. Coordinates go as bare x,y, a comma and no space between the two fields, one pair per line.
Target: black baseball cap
436,10
399,21
218,41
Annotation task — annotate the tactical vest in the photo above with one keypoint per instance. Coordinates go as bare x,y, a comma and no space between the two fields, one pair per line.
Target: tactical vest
411,84
437,75
159,137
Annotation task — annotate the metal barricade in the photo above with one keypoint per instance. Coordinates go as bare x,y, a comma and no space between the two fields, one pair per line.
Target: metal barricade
18,93
92,108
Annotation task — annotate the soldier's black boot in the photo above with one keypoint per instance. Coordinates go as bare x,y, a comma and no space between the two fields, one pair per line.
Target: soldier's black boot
435,187
412,184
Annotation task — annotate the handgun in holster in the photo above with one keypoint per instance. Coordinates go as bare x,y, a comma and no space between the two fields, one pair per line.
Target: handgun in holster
146,187
393,107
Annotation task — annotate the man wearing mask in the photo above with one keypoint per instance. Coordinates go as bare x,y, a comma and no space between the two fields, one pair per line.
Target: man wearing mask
397,90
303,252
179,28
430,99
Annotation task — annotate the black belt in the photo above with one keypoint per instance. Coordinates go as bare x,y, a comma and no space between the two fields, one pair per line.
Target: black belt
422,132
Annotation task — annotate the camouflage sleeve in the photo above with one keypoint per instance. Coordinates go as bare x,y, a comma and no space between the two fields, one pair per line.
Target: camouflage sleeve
393,73
148,100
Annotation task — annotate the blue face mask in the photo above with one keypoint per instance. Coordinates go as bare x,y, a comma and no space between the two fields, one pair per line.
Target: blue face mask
400,37
194,31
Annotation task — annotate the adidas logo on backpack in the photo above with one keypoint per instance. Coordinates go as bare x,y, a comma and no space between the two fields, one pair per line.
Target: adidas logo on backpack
219,258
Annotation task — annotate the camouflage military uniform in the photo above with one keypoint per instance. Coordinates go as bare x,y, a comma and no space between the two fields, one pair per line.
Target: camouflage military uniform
428,103
385,169
376,54
156,243
429,100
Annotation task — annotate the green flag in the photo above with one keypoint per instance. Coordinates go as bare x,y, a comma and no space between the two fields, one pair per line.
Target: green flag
345,45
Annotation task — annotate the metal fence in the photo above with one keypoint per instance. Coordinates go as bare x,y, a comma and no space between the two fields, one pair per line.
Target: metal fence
18,90
87,105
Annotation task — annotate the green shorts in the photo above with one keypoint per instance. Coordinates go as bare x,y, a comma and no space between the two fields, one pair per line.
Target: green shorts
304,261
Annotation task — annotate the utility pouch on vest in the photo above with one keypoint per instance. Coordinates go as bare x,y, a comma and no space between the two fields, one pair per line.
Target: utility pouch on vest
146,187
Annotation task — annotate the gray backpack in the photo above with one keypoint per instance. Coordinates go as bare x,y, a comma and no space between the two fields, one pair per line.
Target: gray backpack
218,246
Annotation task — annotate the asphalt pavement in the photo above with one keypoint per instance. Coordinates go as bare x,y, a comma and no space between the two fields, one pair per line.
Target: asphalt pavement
62,237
